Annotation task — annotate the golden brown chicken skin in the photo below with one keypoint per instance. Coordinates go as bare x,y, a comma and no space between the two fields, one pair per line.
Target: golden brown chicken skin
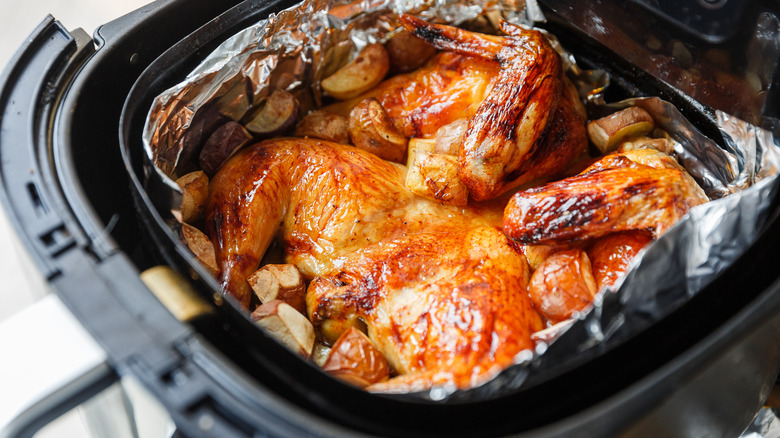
449,87
614,194
446,303
440,288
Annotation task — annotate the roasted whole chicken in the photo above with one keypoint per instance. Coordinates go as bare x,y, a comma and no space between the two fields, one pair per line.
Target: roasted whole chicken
445,293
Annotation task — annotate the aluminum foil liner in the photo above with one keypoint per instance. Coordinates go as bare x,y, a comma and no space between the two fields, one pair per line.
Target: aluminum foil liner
296,48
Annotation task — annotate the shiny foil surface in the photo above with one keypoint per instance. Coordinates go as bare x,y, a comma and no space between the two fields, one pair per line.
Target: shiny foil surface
295,49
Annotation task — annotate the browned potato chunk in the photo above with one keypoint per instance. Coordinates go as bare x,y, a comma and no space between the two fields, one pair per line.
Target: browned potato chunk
195,192
332,329
286,325
277,115
435,176
279,282
325,126
222,144
563,284
355,360
201,246
359,75
320,354
537,254
608,132
450,137
371,129
407,52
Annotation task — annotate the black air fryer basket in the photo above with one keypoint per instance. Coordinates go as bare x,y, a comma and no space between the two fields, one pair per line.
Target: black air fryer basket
72,182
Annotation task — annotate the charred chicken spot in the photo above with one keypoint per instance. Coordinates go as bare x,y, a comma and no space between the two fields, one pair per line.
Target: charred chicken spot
340,278
218,219
430,34
641,187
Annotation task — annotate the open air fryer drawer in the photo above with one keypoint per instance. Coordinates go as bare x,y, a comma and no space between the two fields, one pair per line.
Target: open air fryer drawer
703,371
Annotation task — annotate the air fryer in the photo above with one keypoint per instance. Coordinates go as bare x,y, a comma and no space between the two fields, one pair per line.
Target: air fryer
73,106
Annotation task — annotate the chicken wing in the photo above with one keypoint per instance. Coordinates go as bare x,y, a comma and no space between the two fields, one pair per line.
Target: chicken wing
440,288
614,194
524,129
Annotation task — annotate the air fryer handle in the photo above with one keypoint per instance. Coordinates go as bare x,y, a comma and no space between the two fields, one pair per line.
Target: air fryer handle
51,364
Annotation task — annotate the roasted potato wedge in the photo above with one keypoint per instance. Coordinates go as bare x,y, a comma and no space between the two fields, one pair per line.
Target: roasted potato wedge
279,282
608,132
359,75
664,145
201,246
563,284
195,193
406,52
371,129
222,144
277,115
286,325
435,176
418,145
355,360
324,125
332,329
320,354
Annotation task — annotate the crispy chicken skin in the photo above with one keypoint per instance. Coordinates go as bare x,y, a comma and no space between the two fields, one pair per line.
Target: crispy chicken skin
636,190
449,87
446,303
526,121
440,288
529,126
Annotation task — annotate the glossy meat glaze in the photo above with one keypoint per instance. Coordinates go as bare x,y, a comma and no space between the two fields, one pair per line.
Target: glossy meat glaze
641,189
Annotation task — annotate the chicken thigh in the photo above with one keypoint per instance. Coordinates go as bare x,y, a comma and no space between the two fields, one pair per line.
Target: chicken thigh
440,288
